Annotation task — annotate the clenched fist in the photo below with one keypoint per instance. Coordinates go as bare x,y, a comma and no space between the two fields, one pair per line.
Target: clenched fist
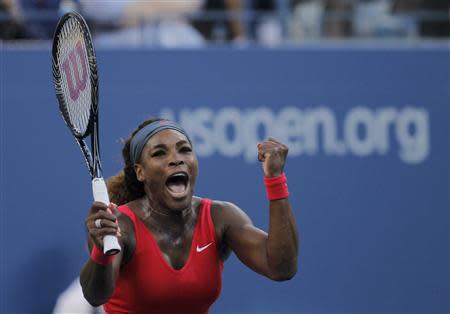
272,153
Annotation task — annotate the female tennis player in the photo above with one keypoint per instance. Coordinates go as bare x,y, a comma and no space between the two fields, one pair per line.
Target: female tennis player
174,243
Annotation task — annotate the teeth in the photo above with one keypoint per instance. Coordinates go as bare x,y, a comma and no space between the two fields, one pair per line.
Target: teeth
177,183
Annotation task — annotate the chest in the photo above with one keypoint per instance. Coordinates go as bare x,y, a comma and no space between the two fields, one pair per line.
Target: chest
174,250
170,275
164,271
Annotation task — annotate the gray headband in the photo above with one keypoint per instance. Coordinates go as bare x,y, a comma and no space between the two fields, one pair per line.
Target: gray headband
143,135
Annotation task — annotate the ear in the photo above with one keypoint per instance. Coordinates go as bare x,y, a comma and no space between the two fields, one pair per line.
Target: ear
139,172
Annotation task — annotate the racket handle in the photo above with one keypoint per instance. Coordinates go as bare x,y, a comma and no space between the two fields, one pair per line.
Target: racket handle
110,243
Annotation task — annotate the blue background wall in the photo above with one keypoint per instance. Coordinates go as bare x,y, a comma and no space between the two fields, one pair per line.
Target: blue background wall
372,206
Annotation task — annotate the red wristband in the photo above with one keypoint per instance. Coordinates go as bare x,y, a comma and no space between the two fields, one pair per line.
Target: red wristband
98,257
276,187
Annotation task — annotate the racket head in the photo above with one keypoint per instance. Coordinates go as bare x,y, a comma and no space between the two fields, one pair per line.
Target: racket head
75,74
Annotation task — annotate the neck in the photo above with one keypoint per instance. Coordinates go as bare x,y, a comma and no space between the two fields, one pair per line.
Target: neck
162,216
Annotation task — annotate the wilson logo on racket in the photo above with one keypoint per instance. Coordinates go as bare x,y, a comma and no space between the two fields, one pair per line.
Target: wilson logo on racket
76,79
76,85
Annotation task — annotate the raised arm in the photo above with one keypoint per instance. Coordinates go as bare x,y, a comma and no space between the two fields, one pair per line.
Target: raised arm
273,255
99,274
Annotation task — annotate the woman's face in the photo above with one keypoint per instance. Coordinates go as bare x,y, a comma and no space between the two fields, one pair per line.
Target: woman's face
168,168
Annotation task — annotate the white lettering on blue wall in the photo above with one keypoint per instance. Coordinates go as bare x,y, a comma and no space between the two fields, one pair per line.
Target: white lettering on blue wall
361,131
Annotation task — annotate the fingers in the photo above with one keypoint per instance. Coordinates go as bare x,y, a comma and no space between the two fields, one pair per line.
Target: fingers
105,220
274,140
102,221
99,234
97,206
269,147
100,210
272,153
106,215
260,153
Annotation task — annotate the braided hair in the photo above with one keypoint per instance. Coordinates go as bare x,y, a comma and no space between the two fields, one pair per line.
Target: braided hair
124,187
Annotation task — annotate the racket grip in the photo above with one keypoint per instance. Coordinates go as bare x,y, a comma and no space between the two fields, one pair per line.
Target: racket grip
110,243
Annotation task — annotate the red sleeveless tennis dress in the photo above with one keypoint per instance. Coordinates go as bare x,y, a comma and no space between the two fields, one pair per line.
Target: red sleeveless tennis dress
148,284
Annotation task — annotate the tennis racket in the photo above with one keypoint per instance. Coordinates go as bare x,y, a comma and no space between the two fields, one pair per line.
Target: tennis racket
76,83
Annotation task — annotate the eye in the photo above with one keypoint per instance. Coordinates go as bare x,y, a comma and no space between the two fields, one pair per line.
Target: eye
185,149
158,153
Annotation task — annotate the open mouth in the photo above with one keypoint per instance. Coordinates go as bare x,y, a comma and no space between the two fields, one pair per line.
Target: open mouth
177,183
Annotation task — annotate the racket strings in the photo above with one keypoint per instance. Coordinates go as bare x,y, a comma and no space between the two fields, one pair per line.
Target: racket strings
75,73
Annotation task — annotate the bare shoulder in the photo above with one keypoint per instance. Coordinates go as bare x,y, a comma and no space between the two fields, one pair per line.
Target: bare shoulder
226,213
222,205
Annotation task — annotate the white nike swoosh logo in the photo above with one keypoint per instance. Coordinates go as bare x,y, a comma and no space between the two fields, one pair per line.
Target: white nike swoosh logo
199,249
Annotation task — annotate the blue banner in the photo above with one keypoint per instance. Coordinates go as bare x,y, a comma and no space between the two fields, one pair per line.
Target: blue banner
368,168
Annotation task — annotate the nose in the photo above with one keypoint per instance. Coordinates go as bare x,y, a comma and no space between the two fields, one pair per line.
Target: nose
175,163
175,158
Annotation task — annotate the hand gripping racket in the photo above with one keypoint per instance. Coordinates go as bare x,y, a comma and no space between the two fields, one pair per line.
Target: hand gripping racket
76,84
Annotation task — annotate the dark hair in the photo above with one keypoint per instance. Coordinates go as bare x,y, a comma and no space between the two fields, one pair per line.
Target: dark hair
124,187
